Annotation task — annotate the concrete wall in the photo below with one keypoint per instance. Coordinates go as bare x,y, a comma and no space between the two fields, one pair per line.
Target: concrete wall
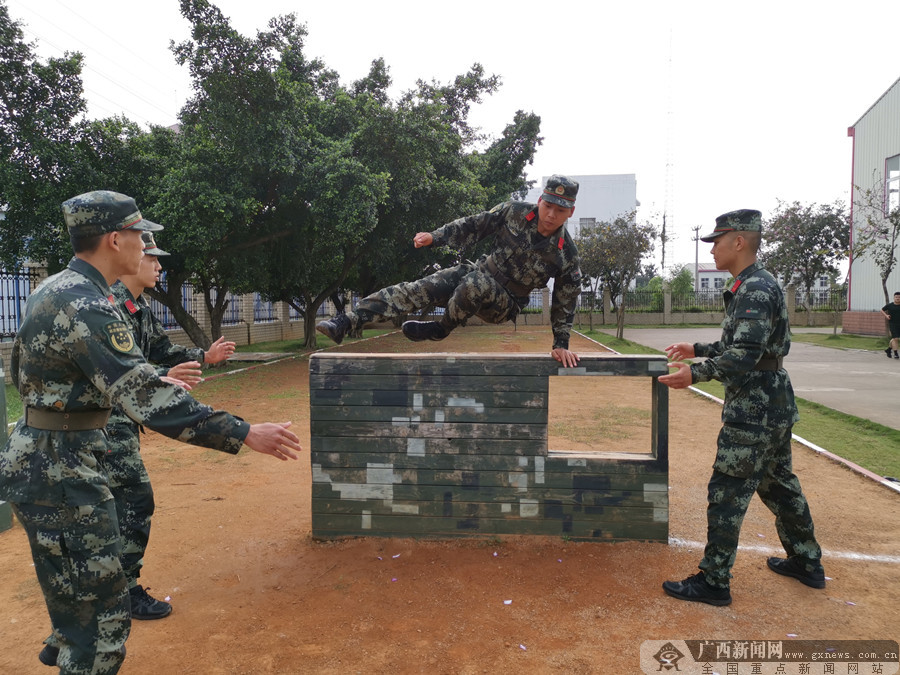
876,137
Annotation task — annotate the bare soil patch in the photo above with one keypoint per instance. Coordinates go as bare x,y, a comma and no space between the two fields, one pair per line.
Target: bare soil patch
253,593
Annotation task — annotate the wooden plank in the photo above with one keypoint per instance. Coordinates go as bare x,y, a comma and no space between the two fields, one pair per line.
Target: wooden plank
474,414
501,365
413,429
436,382
569,527
426,398
429,446
443,500
477,462
388,475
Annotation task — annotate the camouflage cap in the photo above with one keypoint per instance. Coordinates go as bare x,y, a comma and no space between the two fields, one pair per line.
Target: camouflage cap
742,220
560,190
103,211
150,247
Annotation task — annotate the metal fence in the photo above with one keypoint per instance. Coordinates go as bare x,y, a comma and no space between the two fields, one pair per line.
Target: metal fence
263,310
15,287
164,314
823,300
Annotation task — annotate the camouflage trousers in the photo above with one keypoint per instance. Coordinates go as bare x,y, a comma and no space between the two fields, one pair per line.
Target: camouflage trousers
464,291
76,558
129,483
770,475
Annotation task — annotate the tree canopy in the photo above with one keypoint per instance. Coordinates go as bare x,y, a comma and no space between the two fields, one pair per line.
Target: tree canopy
878,234
804,242
613,253
279,179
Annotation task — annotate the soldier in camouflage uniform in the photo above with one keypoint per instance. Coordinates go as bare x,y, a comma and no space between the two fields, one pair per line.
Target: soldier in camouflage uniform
72,358
754,446
531,247
128,478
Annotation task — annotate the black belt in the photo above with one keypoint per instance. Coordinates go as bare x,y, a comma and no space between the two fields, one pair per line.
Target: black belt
60,420
514,287
769,363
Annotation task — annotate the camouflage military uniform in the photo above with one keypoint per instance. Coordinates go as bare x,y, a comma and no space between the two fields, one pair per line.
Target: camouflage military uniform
128,478
754,447
74,355
497,286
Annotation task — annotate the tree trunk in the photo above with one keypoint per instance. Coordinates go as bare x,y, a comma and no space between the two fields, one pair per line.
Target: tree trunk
309,327
171,298
620,320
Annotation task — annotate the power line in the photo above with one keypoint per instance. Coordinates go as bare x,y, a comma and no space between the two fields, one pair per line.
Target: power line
98,72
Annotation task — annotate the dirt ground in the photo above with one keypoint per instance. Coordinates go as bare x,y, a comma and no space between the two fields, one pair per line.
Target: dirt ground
253,593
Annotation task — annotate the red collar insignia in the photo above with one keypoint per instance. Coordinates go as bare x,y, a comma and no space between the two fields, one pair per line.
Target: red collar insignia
130,306
737,284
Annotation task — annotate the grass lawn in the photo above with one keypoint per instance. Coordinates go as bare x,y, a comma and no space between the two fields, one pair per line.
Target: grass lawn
841,341
872,446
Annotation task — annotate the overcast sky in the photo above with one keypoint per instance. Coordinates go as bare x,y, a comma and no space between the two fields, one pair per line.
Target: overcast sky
714,107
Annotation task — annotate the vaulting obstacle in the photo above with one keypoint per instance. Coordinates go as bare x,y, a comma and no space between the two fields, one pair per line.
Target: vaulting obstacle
449,445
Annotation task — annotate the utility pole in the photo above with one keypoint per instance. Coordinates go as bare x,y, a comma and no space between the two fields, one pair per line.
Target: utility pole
696,258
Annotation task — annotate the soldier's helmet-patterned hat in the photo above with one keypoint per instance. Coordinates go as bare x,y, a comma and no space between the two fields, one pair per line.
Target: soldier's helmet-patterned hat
560,190
742,220
150,247
103,211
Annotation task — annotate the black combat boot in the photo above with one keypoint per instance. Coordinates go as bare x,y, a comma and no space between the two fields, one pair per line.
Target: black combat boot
49,655
792,567
888,352
696,589
144,606
417,331
335,328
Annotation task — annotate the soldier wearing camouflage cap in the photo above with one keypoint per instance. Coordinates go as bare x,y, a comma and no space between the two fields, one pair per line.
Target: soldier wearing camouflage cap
754,445
73,356
531,246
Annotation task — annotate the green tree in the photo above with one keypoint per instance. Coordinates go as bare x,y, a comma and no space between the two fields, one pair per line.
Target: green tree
682,281
268,190
878,233
805,242
40,103
616,251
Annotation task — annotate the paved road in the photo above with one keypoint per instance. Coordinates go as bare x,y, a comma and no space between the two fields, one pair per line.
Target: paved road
861,383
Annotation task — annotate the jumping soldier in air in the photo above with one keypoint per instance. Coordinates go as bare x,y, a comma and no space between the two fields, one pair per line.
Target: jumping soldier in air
531,246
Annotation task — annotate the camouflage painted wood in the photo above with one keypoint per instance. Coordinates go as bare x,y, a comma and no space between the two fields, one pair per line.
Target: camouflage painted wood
449,445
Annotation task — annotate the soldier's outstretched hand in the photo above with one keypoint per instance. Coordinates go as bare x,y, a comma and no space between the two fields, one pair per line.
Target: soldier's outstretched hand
565,357
189,372
680,351
274,439
680,379
176,381
219,351
423,239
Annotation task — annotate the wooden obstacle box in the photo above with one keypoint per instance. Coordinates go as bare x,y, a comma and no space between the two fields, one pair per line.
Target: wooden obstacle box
450,445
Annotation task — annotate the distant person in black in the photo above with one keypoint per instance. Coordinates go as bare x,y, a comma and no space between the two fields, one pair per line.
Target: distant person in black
891,312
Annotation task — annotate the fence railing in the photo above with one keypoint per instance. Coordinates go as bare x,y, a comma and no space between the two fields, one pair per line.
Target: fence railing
823,300
164,314
15,287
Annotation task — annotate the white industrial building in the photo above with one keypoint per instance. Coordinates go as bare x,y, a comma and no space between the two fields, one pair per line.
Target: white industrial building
876,158
601,198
